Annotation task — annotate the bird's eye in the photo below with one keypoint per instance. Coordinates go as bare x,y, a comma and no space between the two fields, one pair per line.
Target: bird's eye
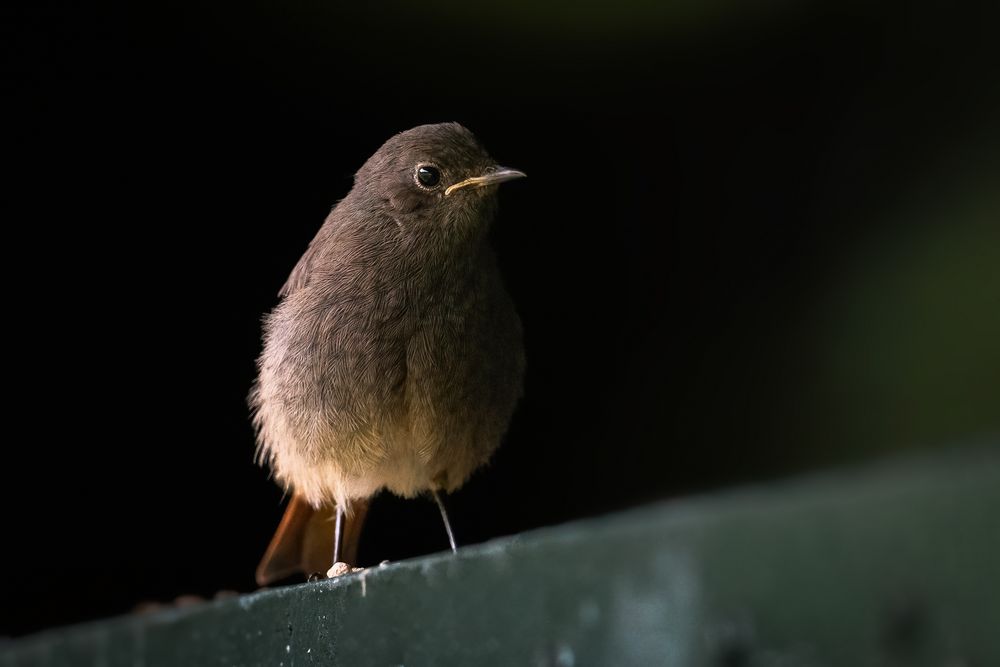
428,176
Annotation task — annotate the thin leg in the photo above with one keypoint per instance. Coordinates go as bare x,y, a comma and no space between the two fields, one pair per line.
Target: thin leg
338,535
444,517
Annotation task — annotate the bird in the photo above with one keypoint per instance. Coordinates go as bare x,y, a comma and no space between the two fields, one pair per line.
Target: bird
394,359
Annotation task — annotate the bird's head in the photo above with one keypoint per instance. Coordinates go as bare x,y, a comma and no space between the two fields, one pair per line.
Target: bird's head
434,174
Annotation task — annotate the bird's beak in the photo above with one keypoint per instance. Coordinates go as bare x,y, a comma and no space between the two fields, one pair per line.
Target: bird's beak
497,175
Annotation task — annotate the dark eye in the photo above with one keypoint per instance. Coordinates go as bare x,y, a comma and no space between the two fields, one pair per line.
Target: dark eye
428,176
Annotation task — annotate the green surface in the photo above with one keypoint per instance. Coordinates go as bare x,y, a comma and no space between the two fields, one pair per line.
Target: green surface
895,564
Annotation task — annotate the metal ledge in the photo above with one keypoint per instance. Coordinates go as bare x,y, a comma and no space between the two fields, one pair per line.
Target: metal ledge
894,564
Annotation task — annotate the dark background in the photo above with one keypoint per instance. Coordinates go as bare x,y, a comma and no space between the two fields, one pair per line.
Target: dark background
753,242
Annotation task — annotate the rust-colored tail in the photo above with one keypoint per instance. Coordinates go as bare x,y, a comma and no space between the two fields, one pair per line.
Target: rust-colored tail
304,540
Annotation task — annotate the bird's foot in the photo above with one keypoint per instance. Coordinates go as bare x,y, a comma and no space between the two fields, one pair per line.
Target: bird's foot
341,568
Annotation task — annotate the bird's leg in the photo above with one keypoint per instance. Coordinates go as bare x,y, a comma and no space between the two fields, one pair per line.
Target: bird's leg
346,533
338,535
338,568
444,517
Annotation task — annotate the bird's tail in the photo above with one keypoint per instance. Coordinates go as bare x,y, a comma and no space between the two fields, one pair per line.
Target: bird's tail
304,540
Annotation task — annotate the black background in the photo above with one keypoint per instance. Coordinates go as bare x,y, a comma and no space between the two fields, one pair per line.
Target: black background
753,242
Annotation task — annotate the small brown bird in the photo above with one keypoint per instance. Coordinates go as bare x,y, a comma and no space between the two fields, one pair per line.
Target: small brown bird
395,357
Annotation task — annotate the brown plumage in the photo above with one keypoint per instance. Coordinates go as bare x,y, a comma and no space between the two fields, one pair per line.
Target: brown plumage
395,358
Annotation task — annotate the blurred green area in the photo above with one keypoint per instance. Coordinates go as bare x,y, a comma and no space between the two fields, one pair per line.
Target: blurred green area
908,336
892,343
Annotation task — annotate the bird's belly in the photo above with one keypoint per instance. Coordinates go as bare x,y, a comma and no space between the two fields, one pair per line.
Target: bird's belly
416,412
464,375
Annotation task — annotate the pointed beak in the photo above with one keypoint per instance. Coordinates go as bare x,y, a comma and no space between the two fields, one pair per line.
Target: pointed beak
495,176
